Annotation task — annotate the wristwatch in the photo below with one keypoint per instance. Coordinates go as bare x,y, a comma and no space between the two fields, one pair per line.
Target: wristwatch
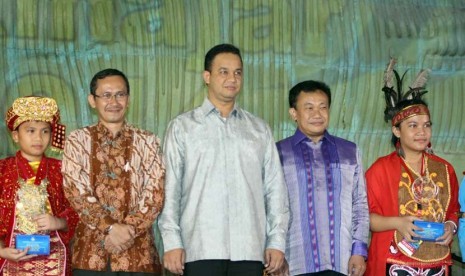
108,229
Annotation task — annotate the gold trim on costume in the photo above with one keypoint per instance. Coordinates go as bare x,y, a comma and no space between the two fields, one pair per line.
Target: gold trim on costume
433,210
32,201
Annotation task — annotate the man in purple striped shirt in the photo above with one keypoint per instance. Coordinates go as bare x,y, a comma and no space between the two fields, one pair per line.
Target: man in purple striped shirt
329,225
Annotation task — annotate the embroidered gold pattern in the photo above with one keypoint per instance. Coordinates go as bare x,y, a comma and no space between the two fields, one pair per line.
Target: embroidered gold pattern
433,208
424,192
32,200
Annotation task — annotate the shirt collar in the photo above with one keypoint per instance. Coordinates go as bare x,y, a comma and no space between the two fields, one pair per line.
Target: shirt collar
299,136
207,107
104,131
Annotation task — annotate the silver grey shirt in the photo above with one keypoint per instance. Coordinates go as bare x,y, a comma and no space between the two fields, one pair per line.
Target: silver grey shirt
225,196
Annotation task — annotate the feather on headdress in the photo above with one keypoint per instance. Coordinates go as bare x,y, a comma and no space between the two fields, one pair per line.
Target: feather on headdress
393,97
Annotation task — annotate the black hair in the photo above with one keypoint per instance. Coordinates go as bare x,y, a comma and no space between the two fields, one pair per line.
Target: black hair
107,73
220,49
308,86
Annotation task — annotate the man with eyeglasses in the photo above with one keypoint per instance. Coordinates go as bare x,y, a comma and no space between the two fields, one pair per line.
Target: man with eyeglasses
113,177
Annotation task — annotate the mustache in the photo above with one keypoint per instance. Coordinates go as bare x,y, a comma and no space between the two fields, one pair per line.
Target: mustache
115,106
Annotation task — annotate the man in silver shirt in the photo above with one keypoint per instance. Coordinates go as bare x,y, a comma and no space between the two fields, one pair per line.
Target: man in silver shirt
226,204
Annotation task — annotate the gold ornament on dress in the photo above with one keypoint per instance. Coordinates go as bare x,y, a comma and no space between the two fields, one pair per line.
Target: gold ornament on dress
32,200
424,192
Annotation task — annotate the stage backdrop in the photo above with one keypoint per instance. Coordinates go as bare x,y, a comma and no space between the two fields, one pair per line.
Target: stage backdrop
53,48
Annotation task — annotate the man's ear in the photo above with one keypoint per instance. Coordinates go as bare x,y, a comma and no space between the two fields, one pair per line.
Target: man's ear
293,114
91,100
206,77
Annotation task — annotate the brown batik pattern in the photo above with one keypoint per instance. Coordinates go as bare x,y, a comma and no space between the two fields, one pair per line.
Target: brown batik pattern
126,177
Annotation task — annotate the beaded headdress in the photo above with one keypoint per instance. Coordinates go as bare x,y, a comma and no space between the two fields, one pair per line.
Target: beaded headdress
34,108
393,97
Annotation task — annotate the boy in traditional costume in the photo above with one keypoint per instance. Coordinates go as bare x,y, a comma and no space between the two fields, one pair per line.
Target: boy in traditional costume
409,185
32,201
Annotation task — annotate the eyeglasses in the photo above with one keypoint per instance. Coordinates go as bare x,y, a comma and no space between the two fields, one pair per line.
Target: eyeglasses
108,96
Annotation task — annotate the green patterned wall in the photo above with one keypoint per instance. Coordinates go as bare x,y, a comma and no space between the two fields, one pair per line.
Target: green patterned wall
53,48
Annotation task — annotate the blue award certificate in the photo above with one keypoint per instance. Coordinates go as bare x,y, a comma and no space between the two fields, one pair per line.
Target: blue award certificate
430,230
38,244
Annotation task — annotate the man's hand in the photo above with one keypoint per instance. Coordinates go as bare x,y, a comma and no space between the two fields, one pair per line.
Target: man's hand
111,248
173,260
47,222
15,255
356,265
121,234
274,259
283,271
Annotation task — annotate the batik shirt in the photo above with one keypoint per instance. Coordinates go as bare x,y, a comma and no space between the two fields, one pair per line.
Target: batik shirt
225,192
328,203
114,179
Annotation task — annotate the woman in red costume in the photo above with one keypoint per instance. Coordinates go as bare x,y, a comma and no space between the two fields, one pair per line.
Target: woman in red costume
31,194
407,185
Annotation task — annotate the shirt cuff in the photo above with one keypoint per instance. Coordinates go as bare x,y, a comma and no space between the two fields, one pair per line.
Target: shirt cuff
276,242
171,241
360,248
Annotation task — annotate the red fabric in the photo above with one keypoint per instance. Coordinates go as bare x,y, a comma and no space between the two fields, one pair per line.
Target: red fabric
49,168
52,264
382,180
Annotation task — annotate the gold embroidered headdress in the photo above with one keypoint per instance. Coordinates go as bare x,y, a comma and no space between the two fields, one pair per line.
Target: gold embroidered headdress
34,108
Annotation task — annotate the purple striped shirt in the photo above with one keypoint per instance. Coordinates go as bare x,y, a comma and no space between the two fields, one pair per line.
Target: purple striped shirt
328,203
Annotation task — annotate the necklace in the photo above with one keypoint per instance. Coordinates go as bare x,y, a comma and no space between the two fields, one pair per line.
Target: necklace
424,191
31,200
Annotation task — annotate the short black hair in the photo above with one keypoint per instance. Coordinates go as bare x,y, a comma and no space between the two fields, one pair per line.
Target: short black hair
107,73
308,87
220,49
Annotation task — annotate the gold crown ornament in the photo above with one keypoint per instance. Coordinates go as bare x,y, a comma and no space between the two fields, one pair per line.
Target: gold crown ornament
33,108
